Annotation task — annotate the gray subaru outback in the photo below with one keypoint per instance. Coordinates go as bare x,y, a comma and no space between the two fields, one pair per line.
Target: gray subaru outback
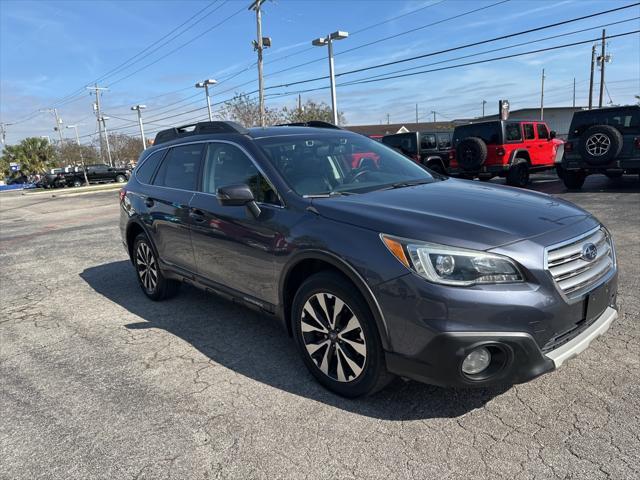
376,266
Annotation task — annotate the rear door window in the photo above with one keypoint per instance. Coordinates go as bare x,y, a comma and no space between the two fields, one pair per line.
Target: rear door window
512,132
444,140
180,167
529,133
427,141
144,172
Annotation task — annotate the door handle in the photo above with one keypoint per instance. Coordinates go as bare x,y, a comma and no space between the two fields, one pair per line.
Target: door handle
197,215
149,202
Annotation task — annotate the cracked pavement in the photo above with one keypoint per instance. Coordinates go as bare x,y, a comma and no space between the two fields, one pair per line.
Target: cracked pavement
99,382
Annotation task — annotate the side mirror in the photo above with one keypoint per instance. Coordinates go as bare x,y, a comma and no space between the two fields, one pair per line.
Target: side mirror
238,195
552,134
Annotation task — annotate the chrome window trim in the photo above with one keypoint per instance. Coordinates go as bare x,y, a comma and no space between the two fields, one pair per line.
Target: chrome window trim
167,147
605,278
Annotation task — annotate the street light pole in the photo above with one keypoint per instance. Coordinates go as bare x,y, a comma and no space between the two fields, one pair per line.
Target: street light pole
84,169
328,41
205,84
542,97
139,108
484,102
106,137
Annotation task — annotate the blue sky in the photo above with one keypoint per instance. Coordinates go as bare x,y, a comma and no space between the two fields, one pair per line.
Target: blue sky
51,49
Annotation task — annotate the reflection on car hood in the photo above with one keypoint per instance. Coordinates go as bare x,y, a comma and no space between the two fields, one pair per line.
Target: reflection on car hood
455,212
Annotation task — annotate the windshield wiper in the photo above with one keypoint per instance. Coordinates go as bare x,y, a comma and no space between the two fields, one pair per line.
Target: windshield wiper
327,195
407,184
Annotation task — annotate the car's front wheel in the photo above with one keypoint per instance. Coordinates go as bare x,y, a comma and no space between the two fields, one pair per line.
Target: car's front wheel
150,278
518,174
121,179
337,336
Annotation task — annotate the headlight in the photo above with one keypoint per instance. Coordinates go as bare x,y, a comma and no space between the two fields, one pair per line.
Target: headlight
451,265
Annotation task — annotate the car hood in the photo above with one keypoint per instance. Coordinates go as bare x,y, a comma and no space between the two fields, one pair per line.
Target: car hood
456,212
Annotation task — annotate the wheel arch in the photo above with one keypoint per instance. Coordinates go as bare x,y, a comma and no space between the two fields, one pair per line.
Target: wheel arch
518,154
308,263
435,159
134,229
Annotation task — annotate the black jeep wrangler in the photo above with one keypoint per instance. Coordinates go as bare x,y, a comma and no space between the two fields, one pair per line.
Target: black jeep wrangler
605,140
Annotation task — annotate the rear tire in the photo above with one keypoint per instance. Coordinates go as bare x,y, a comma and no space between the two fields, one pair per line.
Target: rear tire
337,336
121,178
150,277
77,183
574,179
518,175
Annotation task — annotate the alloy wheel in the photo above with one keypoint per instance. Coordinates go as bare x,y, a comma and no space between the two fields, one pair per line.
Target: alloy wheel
147,267
598,144
333,337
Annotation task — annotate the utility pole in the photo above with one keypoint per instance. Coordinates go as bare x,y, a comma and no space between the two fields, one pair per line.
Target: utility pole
300,106
484,102
416,113
106,137
574,92
388,117
593,61
58,127
205,84
3,132
139,108
259,45
84,169
434,115
98,111
542,97
603,60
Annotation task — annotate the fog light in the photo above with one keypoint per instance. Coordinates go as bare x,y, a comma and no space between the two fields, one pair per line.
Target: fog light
476,361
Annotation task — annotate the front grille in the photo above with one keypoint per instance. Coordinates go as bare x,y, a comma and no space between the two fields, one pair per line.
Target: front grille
573,274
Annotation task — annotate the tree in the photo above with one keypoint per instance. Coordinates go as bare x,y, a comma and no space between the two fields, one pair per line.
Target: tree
70,153
311,111
125,149
33,154
246,111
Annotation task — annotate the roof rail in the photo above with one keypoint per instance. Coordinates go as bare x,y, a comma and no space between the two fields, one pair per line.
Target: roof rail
310,123
200,128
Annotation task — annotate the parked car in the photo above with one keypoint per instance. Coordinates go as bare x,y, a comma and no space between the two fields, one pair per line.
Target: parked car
430,149
52,180
605,140
98,174
511,149
380,270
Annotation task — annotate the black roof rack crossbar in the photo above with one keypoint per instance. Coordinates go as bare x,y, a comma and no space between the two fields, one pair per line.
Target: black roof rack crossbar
200,128
310,123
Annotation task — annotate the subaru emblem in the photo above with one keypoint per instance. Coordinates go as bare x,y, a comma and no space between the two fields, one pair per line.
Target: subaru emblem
589,252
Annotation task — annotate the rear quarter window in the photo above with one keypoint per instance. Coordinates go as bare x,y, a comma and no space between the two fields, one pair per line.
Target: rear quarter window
512,132
145,171
489,132
180,167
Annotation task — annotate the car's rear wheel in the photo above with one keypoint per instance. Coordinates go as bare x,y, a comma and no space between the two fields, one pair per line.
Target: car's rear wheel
518,175
121,178
573,179
150,278
77,183
337,336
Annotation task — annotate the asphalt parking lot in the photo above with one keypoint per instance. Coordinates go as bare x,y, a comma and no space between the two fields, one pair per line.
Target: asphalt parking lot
99,382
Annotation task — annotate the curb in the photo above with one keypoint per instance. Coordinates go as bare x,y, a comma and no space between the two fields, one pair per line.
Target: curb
60,192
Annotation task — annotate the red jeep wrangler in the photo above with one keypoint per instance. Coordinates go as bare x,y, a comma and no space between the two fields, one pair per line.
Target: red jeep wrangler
503,148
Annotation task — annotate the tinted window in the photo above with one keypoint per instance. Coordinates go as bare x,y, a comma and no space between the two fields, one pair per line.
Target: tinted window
444,140
627,121
427,141
180,167
144,172
406,142
543,132
512,132
338,162
226,164
528,131
490,132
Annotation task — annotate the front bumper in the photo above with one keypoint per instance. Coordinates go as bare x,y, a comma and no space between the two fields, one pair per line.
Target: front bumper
523,360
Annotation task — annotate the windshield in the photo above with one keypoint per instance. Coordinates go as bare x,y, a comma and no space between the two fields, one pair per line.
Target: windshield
339,163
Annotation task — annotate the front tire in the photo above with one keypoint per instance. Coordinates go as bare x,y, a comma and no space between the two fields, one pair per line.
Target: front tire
337,336
121,179
150,278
